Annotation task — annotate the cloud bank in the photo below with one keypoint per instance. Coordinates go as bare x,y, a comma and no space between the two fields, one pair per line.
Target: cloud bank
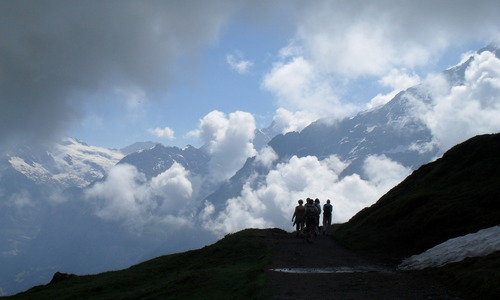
228,140
338,44
463,111
271,204
126,196
57,55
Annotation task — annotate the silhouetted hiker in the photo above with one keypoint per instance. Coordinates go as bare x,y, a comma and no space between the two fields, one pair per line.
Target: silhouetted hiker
312,216
318,206
327,216
298,216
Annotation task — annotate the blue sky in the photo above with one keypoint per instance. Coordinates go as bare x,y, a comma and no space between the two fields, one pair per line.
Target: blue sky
209,83
117,72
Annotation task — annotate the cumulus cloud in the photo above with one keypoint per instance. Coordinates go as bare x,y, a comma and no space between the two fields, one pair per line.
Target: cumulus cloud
357,38
273,201
59,56
126,196
341,42
266,157
56,55
228,139
303,93
237,62
460,112
287,121
165,133
122,196
397,80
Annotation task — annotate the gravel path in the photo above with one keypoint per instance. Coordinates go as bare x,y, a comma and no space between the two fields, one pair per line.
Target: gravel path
346,275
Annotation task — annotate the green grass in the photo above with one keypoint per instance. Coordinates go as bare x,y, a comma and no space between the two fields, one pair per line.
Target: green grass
477,277
232,268
453,196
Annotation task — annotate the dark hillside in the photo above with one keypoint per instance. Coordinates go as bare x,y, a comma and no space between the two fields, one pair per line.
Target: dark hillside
232,268
453,196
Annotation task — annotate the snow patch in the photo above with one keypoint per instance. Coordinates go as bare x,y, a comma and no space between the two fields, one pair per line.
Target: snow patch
72,163
34,171
481,243
329,270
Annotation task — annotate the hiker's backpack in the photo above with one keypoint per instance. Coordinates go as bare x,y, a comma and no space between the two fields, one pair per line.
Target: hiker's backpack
327,209
300,211
311,211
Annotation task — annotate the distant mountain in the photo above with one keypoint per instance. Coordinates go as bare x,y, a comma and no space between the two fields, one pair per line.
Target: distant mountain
46,220
158,159
264,135
392,130
139,146
70,163
453,196
35,185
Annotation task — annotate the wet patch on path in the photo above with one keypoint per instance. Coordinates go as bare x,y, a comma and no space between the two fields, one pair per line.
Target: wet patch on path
330,270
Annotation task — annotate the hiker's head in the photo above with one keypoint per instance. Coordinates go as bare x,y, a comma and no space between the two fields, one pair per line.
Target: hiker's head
300,201
317,200
328,201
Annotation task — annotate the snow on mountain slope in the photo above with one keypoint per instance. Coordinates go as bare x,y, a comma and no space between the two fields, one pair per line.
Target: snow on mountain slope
417,126
69,164
139,146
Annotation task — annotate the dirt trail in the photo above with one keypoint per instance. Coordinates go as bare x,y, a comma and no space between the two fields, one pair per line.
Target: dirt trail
377,281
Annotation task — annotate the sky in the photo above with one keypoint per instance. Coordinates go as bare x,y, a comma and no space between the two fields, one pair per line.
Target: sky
111,73
209,72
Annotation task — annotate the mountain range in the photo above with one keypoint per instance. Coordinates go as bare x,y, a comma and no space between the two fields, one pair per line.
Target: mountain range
440,201
85,209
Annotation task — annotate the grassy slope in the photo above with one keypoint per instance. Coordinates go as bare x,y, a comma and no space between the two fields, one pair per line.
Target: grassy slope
478,277
455,195
232,268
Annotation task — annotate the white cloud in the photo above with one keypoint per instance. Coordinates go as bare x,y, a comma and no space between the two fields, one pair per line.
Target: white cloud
383,172
21,200
398,80
287,121
356,38
228,139
126,196
122,196
339,43
237,62
56,57
266,157
135,98
273,201
174,187
461,112
166,133
303,94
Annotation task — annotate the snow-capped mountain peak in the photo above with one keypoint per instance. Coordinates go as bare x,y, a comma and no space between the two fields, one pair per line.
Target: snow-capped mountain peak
66,164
